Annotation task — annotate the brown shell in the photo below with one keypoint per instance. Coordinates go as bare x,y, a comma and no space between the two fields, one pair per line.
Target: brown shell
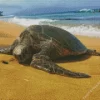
66,39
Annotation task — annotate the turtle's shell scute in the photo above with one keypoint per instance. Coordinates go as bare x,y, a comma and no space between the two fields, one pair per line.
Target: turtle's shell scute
66,39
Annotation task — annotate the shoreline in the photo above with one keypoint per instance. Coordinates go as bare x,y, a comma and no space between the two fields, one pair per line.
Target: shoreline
18,82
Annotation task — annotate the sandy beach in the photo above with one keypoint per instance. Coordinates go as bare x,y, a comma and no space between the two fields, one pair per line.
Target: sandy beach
18,82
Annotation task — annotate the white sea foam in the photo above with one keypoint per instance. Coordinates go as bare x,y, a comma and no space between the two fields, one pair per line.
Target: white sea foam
86,10
28,22
86,30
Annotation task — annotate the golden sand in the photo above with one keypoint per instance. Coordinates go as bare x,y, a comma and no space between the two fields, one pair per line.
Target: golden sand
18,82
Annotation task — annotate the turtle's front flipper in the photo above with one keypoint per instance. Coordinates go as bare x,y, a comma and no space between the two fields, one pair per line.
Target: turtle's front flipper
6,50
9,49
93,52
43,62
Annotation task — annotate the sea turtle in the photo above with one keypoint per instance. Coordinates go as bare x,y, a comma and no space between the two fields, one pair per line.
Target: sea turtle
39,45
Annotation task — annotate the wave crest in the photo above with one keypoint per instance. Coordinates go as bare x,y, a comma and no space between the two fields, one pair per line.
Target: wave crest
86,10
28,22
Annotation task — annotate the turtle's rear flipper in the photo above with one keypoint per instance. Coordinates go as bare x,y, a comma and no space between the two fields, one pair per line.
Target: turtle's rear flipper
43,62
93,52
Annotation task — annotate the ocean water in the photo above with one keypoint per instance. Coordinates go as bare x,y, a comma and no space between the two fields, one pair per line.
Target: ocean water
84,22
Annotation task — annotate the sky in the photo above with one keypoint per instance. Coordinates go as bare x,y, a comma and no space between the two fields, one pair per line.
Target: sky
51,2
22,4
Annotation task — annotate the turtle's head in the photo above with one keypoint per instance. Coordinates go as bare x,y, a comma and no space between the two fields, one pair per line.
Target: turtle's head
18,50
22,54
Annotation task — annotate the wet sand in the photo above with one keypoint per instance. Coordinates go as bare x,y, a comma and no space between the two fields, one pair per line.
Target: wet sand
18,82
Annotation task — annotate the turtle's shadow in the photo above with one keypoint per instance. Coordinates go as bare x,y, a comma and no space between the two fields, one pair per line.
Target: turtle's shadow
73,58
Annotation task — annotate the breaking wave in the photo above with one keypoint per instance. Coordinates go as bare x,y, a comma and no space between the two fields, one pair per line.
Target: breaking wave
89,10
86,10
82,29
85,30
28,22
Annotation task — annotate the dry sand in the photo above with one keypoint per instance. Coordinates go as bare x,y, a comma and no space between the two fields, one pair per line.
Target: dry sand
18,82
